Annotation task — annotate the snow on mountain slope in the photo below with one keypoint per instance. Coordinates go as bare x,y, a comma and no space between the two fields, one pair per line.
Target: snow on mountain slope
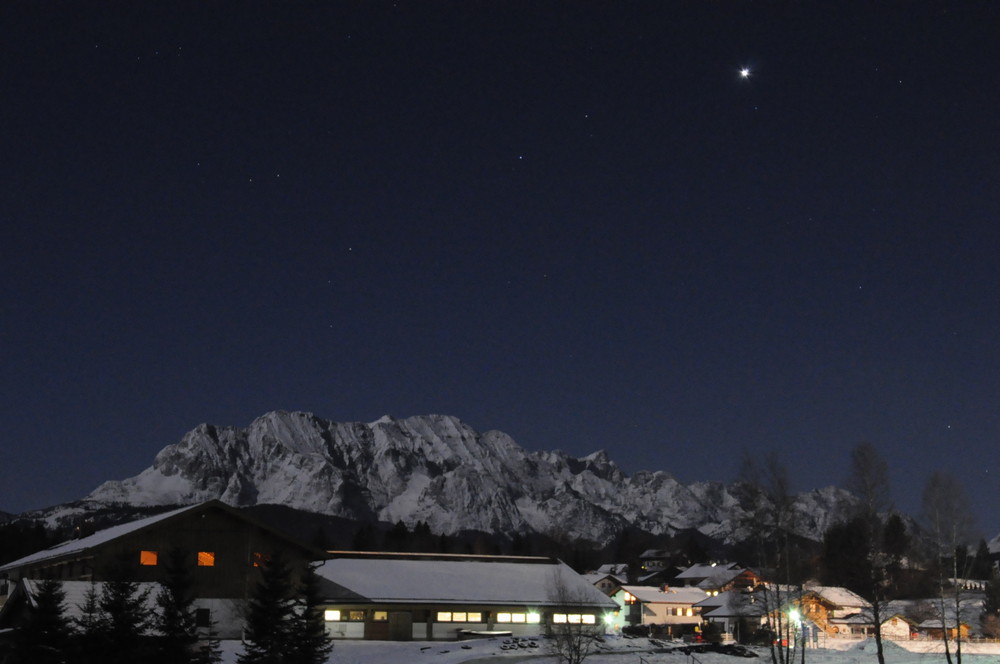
436,469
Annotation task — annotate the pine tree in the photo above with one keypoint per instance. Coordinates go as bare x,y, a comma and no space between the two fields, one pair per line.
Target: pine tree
126,621
90,642
309,638
176,621
268,633
45,637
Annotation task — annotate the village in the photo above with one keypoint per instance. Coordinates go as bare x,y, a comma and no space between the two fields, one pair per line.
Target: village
423,597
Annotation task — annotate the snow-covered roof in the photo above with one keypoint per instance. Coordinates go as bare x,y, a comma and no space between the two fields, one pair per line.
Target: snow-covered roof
840,597
98,538
730,604
711,575
593,577
656,595
456,579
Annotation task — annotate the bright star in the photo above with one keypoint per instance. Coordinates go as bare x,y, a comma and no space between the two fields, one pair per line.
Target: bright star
745,72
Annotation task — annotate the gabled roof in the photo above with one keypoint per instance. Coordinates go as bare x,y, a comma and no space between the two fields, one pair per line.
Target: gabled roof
77,546
503,580
80,546
711,575
655,595
730,604
840,597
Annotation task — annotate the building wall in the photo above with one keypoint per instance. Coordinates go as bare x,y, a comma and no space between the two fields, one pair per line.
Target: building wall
376,621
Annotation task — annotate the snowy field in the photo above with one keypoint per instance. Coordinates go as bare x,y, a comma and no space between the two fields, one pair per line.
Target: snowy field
627,651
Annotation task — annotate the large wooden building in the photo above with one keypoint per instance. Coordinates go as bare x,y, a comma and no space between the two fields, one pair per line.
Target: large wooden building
223,545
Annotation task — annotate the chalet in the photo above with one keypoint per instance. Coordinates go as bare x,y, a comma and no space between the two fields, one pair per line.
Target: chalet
434,596
834,610
223,544
608,578
672,608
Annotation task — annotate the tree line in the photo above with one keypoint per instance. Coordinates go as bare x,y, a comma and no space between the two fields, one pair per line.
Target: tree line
115,625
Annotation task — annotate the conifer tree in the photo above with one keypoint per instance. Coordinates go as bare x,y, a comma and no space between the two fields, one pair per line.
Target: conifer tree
310,641
90,642
45,637
126,620
176,623
268,632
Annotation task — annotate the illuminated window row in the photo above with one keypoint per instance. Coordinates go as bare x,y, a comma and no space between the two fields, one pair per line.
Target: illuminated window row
515,618
681,611
355,615
460,616
574,618
149,558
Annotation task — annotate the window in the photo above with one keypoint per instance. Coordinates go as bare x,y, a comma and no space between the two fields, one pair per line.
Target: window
148,558
203,617
574,618
331,615
206,559
356,616
336,615
460,616
629,598
505,617
380,616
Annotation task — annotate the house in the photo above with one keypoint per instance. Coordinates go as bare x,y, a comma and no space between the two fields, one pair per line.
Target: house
608,578
834,610
224,545
672,608
403,596
736,611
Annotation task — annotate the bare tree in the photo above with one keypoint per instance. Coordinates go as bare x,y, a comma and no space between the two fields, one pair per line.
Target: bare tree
869,481
572,639
770,518
950,525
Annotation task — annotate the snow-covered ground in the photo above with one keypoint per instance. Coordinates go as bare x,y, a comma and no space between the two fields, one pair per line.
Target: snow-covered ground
627,651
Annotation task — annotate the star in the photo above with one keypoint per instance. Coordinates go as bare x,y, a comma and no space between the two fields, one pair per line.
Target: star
745,72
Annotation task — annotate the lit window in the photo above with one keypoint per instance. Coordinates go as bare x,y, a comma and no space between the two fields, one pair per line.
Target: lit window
518,617
503,617
331,615
559,618
459,616
206,559
444,616
534,618
629,598
475,617
147,558
589,619
690,611
380,616
356,616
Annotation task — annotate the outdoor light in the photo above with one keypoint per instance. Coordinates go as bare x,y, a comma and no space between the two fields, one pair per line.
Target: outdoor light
794,616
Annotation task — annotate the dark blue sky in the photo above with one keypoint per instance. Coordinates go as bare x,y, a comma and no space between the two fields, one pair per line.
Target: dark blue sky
573,222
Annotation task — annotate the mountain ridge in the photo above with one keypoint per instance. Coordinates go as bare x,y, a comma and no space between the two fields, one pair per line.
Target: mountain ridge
439,470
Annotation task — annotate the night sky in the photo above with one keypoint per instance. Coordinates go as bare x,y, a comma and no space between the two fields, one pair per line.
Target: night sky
576,222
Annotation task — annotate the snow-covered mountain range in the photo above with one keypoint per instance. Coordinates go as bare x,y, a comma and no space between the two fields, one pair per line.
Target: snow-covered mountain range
438,470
